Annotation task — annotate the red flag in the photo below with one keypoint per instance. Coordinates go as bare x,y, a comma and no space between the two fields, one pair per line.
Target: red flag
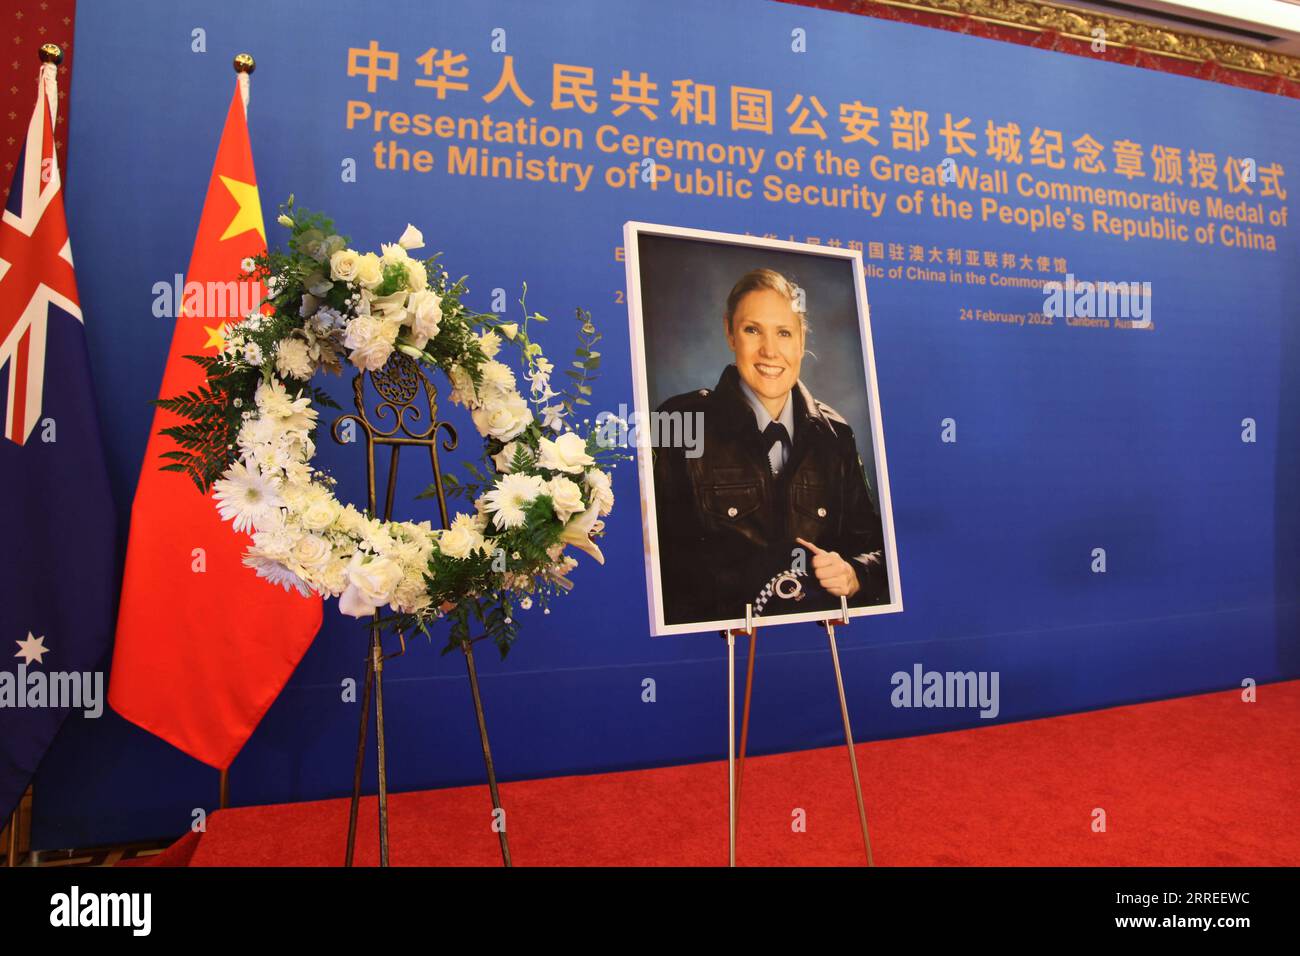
204,646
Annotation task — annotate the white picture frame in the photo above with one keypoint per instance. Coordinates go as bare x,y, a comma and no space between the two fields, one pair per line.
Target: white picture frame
632,231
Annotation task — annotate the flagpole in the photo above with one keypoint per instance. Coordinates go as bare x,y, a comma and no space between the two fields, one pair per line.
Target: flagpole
244,66
51,56
12,858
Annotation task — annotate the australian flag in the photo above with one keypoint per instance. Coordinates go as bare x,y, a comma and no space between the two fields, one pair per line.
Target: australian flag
57,527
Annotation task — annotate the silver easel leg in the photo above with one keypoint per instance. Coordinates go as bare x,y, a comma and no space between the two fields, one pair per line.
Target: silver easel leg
731,747
848,739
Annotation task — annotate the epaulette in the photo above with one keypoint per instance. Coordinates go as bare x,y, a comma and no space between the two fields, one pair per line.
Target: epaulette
830,413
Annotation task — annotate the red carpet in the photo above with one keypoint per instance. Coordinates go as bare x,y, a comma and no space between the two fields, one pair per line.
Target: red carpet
1200,781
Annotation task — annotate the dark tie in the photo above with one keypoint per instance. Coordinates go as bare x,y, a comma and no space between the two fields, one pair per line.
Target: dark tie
773,433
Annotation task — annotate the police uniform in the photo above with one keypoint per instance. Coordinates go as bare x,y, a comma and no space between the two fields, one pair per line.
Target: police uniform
727,524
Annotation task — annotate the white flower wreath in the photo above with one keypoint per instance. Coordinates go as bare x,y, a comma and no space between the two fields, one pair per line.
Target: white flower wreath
250,439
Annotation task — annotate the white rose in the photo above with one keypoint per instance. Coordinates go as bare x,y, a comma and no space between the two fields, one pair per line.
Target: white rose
424,314
312,552
292,360
344,265
602,494
370,271
504,457
462,538
504,419
566,498
371,583
320,514
371,341
566,453
412,238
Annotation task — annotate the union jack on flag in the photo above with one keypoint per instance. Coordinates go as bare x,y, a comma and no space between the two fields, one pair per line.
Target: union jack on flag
35,267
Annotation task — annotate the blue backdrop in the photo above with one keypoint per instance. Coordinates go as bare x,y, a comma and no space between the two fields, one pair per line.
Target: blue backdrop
1068,439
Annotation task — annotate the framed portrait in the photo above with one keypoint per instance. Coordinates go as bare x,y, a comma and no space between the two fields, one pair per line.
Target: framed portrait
758,434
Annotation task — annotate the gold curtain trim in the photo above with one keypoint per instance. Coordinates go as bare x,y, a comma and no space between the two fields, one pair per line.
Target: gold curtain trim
1079,24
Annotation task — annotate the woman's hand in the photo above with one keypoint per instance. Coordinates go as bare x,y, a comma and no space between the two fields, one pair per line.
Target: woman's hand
833,573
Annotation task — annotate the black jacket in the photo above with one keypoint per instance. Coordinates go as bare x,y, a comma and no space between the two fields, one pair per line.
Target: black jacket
727,526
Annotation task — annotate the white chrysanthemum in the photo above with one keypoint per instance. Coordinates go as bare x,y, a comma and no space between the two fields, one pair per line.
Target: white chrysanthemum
498,379
490,344
370,271
253,353
277,573
351,522
246,496
291,413
508,498
417,276
258,431
392,254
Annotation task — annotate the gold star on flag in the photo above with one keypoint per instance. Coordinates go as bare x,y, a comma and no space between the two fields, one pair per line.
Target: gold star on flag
249,215
216,337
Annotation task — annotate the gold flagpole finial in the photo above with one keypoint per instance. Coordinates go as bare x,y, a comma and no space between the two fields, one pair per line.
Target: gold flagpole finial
244,63
50,53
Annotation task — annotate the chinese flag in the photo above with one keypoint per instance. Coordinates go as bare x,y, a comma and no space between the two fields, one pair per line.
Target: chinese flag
204,646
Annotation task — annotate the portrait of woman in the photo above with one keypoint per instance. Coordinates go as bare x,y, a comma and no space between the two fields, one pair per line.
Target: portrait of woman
770,505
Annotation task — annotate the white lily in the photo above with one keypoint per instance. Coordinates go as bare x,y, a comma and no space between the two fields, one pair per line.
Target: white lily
578,533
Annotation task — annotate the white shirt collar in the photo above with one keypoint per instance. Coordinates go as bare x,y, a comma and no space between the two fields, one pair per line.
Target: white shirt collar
761,413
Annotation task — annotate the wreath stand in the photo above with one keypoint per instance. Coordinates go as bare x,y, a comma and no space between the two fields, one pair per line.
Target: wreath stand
399,384
736,769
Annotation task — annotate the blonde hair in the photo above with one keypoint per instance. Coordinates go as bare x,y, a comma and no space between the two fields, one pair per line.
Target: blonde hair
758,279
